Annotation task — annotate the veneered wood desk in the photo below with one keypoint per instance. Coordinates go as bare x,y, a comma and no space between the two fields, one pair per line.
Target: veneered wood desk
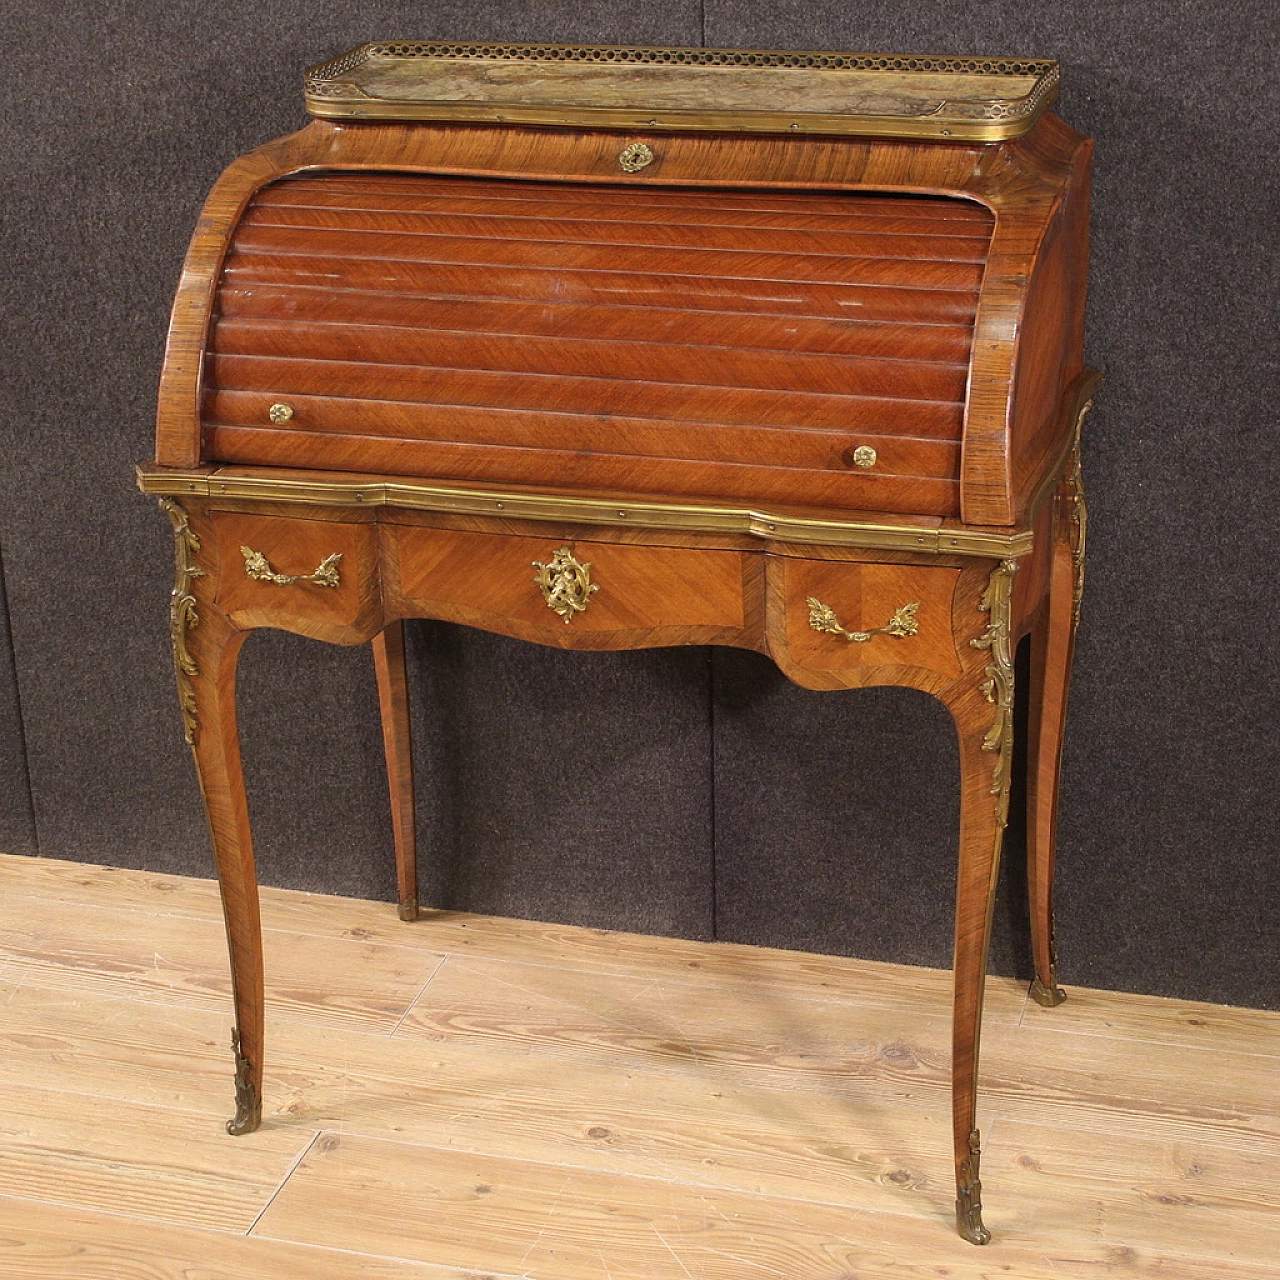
607,349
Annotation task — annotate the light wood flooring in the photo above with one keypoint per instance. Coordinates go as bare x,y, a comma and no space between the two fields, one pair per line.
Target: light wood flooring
468,1098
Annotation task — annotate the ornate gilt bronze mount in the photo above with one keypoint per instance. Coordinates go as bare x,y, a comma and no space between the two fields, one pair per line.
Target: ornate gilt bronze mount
1053,995
998,686
257,566
565,584
969,1195
248,1114
182,613
823,618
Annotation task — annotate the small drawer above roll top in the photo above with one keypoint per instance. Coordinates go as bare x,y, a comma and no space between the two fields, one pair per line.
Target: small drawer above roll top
749,345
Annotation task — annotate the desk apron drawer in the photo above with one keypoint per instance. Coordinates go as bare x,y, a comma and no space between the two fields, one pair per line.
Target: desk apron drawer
558,592
834,615
302,575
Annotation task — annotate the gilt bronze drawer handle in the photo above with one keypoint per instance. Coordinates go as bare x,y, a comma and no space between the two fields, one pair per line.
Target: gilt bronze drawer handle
565,583
635,157
903,623
257,566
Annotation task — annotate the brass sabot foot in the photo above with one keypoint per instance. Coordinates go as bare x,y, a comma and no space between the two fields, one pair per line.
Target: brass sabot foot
409,909
248,1114
247,1118
969,1223
969,1195
1050,997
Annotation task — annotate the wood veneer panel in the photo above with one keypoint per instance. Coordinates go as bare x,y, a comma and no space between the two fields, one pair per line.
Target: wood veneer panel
469,461
582,431
668,234
606,396
768,310
594,358
844,302
847,336
797,268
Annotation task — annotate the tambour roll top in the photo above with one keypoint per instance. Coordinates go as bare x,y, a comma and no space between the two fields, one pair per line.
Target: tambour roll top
832,322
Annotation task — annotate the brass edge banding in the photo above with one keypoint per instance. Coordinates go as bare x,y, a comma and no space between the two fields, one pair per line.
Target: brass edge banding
644,515
182,613
948,129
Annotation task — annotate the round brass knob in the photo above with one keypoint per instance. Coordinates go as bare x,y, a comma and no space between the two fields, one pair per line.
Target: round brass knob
280,412
864,456
635,157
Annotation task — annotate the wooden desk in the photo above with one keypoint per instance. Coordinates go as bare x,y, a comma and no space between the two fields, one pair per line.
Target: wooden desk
615,384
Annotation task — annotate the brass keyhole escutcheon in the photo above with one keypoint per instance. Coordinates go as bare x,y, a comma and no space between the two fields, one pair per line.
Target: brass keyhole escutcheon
635,157
565,584
279,413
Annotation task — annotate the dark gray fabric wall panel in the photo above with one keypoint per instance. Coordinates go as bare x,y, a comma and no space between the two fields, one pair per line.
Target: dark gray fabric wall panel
124,117
17,825
1169,879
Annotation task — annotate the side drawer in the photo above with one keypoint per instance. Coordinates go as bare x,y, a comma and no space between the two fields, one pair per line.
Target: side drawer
524,585
834,615
304,575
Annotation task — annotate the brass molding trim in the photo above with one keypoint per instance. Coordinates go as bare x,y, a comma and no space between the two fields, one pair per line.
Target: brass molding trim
565,584
669,88
413,495
823,618
182,613
969,1194
248,1114
258,567
998,686
1079,517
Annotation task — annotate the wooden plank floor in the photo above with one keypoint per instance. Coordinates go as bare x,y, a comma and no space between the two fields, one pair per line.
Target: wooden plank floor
467,1098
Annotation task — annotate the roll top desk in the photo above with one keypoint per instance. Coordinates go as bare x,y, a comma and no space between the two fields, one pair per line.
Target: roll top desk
611,348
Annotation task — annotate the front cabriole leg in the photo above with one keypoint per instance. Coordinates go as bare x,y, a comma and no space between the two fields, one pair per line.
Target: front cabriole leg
206,647
984,723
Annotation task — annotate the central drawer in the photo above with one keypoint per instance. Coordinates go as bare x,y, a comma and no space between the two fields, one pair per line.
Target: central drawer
520,585
771,346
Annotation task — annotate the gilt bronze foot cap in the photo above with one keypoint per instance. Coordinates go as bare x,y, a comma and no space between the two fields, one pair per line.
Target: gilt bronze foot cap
409,909
245,1120
969,1223
1049,997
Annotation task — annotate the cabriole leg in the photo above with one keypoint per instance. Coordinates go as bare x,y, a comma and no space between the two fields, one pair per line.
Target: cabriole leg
206,648
984,722
393,700
1052,646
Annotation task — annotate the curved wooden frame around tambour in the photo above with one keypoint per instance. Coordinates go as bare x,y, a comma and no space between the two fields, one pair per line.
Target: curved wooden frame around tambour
1024,182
